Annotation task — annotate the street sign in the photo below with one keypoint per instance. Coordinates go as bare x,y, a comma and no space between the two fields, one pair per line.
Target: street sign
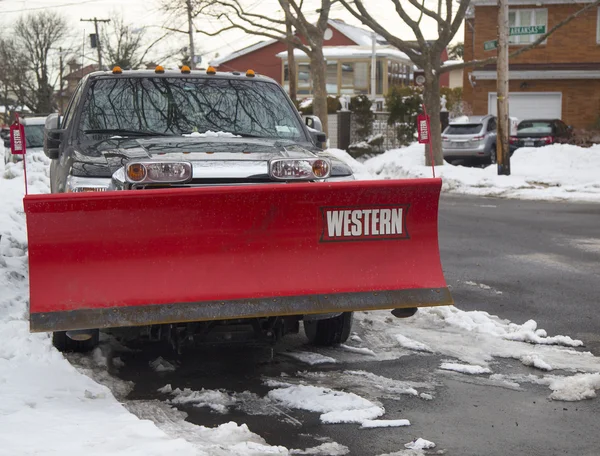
490,45
516,31
529,30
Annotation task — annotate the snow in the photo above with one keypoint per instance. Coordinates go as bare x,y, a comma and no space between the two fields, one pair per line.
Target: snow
407,342
310,357
420,444
325,449
359,350
49,405
334,406
556,172
465,368
575,388
211,134
369,424
535,361
162,365
476,338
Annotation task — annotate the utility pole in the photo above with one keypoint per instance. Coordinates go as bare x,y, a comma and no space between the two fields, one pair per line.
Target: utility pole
503,131
291,61
60,60
188,5
98,45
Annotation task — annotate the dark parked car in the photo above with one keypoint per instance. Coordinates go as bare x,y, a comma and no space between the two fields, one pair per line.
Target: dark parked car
540,132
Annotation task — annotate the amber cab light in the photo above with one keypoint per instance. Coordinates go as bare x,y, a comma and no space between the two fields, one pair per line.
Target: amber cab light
211,70
185,69
250,73
117,70
159,69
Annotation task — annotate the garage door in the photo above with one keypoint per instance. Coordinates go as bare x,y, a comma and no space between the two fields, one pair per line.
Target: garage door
536,105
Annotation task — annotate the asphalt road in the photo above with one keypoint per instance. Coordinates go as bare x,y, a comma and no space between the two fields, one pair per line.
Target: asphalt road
544,257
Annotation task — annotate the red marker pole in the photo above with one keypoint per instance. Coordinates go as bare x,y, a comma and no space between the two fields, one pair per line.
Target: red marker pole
17,144
424,134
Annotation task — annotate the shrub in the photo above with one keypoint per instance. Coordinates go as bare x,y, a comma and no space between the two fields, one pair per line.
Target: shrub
404,105
363,116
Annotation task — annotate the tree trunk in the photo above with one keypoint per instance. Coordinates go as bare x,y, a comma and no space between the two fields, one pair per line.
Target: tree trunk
293,91
318,72
432,105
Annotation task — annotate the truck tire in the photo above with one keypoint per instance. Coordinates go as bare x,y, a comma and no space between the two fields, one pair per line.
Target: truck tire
329,332
63,343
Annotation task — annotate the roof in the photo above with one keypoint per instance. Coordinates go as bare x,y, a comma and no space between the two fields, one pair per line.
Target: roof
241,52
359,35
338,52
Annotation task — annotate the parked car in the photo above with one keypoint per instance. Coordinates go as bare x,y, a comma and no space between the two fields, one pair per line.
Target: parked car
540,132
473,141
34,138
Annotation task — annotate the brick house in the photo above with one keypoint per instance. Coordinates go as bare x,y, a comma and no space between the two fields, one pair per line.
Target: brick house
263,58
558,79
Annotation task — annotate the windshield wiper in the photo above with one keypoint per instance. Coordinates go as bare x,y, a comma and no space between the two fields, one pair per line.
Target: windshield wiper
118,131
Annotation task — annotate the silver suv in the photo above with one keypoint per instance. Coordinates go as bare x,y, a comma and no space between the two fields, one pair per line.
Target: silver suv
473,141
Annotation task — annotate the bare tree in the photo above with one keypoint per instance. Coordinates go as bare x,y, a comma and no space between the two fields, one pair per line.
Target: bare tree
13,72
124,45
309,37
190,9
427,54
37,34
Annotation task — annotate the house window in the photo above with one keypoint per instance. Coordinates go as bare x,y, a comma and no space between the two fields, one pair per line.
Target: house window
525,18
332,78
355,78
598,27
304,79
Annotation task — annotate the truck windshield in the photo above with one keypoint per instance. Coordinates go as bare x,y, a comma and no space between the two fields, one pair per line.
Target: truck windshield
176,106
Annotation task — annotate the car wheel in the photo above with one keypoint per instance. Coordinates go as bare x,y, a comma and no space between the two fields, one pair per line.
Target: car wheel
331,331
64,343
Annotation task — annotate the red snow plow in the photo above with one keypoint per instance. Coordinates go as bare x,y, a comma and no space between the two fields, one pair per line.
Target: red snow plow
145,257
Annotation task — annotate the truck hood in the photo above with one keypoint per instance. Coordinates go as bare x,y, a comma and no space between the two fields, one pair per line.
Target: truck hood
211,157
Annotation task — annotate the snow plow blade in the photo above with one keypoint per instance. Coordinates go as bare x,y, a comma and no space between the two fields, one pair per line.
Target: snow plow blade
140,257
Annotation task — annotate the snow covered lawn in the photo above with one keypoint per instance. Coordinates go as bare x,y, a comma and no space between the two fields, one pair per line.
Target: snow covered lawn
556,172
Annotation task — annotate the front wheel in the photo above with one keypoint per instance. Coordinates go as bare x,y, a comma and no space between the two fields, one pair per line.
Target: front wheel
331,331
64,343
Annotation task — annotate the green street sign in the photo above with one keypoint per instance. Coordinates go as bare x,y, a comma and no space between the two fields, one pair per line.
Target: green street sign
490,45
515,31
529,30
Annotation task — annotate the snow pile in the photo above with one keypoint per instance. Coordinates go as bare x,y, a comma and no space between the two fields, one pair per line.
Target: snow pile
369,424
325,449
476,338
218,401
420,444
310,357
46,404
334,406
535,361
465,368
162,365
575,388
407,342
211,134
359,170
556,172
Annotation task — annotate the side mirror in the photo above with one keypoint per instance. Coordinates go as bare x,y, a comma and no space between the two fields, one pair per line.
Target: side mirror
313,122
52,136
318,137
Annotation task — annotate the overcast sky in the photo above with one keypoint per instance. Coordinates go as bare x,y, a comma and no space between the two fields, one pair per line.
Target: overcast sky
146,13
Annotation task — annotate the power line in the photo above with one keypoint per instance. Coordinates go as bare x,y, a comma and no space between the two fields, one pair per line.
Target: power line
22,10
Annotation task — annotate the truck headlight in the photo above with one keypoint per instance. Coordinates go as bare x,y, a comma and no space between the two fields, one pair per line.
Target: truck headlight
158,172
299,168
